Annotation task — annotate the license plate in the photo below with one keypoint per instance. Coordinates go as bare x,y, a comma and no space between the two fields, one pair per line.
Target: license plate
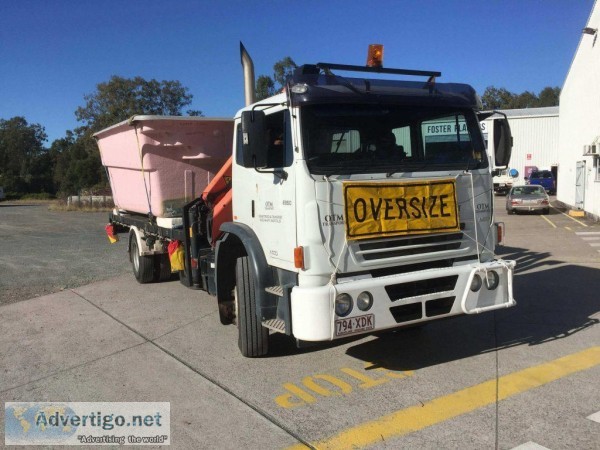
395,209
354,324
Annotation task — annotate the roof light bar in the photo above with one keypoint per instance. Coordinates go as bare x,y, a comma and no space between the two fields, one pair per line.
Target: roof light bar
350,68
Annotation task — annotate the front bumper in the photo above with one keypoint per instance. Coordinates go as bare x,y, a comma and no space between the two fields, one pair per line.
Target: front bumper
402,299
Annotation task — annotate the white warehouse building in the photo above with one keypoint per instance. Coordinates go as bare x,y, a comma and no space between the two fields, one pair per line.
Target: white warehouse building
535,139
579,140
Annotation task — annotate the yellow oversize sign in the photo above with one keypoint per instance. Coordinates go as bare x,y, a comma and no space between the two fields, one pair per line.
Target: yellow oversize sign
396,209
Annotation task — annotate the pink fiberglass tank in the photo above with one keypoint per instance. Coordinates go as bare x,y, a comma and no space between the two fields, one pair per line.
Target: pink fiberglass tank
156,164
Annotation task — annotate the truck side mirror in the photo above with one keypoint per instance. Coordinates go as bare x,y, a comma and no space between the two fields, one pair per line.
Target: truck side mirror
503,143
254,139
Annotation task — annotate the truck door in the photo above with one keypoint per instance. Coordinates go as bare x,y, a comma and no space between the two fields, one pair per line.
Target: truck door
271,192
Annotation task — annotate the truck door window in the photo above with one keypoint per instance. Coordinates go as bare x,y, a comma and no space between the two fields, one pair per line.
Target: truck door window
280,150
279,141
447,139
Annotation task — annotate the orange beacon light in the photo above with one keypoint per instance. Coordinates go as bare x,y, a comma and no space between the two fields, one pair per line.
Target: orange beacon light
375,55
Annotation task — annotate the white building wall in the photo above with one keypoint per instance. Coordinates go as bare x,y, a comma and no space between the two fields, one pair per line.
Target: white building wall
534,136
537,137
580,120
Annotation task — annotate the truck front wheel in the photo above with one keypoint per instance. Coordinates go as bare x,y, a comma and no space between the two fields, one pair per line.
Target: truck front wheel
253,338
143,266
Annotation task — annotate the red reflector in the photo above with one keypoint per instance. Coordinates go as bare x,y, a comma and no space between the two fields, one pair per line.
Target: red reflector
500,231
299,258
176,256
194,263
110,232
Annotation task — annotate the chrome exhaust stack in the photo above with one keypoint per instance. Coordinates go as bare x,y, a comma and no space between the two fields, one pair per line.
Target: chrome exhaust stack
248,65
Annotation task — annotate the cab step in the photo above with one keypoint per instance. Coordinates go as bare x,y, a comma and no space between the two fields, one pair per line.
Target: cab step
277,325
275,290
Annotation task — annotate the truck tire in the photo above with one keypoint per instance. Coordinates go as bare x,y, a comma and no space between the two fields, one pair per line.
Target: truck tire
253,338
143,266
162,267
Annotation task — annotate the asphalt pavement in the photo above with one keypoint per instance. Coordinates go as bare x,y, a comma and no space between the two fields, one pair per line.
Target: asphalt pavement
47,251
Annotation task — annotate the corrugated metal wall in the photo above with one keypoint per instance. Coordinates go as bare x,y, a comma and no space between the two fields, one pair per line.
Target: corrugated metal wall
535,142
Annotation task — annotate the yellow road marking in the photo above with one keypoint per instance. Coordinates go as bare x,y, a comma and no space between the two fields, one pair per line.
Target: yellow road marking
438,410
548,220
568,228
572,218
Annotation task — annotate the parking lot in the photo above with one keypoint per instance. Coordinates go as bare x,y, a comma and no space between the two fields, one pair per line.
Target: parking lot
524,376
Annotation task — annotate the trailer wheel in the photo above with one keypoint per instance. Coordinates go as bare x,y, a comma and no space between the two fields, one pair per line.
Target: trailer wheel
143,266
253,338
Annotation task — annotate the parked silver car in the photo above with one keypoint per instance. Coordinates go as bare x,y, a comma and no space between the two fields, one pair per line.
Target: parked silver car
527,198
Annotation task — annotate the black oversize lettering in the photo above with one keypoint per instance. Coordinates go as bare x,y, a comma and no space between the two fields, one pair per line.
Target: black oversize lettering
424,207
388,208
444,205
433,199
364,210
375,210
401,203
414,204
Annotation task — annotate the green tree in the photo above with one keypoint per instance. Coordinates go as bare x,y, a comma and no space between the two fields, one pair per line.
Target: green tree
496,98
120,98
500,98
282,71
549,96
524,100
76,156
265,87
23,162
75,168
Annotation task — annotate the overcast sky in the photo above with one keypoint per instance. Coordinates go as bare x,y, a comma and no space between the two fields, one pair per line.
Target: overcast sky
52,53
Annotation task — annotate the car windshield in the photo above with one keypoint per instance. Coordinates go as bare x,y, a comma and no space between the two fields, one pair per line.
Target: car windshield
528,190
544,174
346,139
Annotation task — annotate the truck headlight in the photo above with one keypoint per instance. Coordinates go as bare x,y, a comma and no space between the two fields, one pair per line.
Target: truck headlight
343,304
476,283
492,279
364,301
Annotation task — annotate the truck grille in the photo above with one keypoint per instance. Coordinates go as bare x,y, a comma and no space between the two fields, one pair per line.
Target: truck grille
414,245
421,287
414,311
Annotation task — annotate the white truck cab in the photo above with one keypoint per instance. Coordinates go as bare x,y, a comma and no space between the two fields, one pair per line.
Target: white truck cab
361,205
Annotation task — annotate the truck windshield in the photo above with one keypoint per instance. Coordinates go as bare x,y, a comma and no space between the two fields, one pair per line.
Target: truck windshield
346,139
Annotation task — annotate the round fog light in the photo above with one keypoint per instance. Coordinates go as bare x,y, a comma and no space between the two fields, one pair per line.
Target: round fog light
492,280
476,283
343,305
364,301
